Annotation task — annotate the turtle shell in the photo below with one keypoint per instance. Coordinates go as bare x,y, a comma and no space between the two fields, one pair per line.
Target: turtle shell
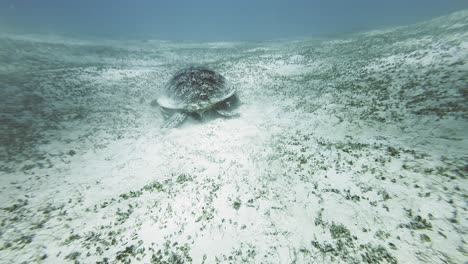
195,89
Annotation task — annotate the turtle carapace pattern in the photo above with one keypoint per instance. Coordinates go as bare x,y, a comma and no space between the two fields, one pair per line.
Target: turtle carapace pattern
194,91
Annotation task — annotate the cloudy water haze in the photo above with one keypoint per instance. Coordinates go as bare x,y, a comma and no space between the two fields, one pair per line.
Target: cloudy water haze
212,20
233,131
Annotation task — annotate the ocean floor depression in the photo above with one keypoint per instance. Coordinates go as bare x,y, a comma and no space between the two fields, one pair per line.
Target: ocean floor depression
347,150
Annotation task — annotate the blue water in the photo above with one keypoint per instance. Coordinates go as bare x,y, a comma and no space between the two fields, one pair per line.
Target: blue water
317,146
214,20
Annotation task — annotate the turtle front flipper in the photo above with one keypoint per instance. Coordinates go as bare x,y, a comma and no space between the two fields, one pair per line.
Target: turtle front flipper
175,120
227,112
227,108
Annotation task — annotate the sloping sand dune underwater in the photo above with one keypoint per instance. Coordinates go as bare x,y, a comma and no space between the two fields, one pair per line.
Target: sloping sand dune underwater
352,150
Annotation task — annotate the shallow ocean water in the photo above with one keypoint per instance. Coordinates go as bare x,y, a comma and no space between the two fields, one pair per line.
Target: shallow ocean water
349,150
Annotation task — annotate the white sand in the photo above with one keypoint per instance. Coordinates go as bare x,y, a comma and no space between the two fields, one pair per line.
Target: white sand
351,150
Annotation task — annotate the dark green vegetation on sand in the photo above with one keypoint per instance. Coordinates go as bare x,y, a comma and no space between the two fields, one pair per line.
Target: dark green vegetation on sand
350,150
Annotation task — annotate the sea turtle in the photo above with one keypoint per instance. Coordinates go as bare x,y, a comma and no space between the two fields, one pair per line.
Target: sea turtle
194,91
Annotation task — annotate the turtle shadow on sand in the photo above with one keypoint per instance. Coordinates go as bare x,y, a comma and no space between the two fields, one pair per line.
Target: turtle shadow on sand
199,93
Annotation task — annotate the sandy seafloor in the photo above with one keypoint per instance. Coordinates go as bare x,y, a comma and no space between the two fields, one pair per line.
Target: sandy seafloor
350,150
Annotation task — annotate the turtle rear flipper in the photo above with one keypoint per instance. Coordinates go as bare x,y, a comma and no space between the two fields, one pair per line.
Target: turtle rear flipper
175,120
